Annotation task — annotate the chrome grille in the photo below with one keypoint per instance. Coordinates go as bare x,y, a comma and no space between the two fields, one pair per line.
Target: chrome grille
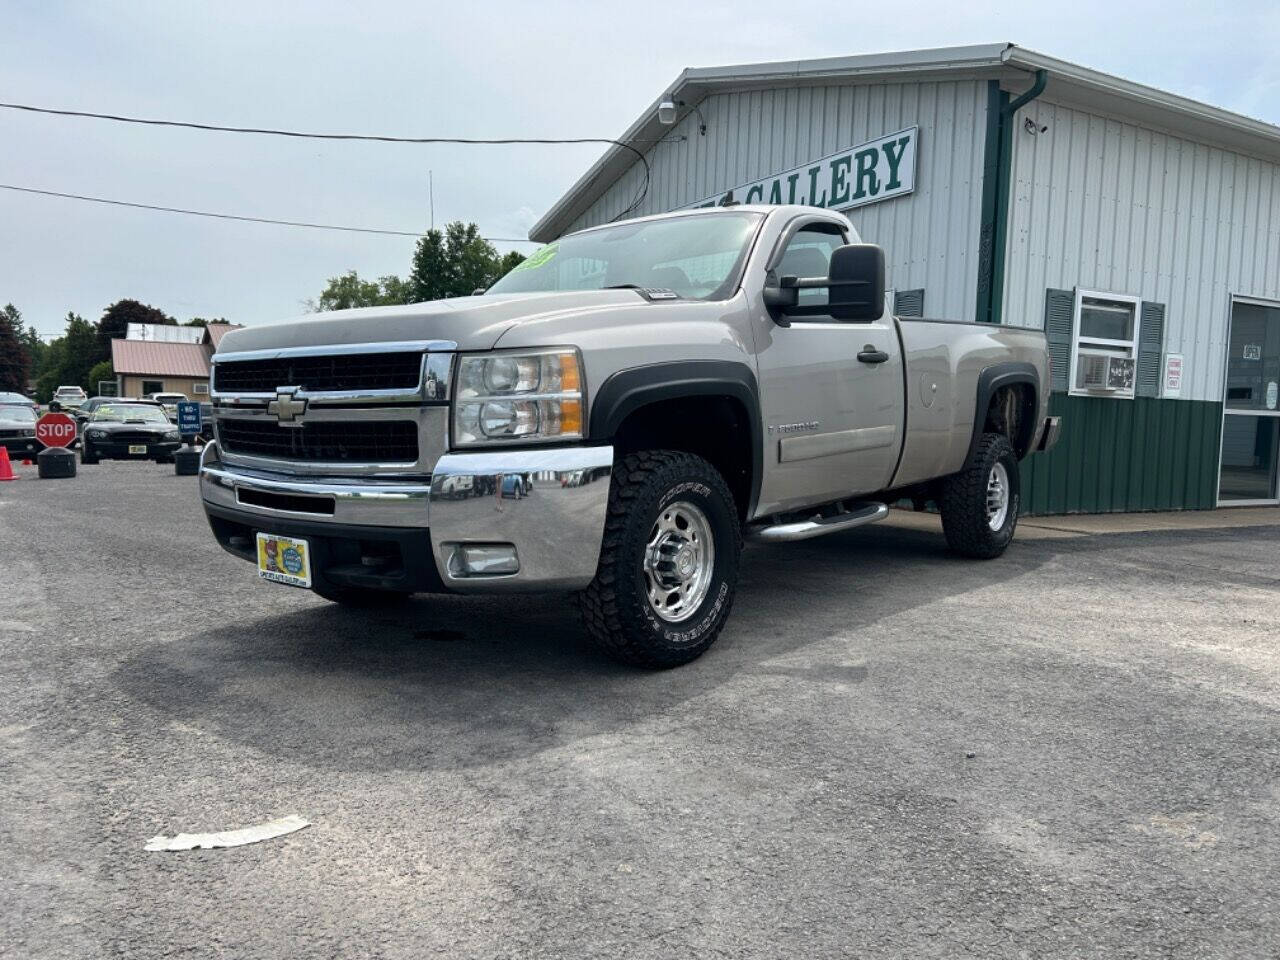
329,441
332,373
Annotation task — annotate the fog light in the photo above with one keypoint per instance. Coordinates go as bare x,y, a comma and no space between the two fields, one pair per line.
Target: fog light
483,559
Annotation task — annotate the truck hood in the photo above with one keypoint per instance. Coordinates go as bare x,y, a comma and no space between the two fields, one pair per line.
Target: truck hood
473,323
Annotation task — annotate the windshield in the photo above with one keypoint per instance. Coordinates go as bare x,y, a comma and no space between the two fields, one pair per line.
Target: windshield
69,392
696,256
129,413
17,414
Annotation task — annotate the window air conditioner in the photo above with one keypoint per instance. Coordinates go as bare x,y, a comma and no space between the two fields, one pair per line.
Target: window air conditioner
1105,372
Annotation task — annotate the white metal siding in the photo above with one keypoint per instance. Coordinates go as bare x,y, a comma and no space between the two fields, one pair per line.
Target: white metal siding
1107,205
930,237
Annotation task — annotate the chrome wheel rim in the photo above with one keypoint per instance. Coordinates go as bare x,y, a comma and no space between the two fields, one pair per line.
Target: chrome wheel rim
997,496
678,561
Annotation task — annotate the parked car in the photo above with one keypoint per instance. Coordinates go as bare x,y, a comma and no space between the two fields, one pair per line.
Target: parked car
667,384
170,402
18,429
68,398
86,412
19,398
128,430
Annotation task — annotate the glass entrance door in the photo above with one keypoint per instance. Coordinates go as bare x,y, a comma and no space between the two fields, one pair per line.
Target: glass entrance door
1251,411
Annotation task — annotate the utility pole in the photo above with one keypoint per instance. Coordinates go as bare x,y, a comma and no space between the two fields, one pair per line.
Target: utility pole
431,192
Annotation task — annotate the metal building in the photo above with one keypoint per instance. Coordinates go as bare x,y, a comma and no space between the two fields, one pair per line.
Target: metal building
1139,229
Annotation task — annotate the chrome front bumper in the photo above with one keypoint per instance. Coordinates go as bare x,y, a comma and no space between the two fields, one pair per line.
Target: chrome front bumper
549,504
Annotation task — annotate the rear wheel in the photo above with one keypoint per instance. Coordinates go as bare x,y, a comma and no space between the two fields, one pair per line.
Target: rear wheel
668,561
979,505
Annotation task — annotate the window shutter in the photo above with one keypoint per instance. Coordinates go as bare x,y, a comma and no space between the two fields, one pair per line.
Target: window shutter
908,303
1150,349
1059,311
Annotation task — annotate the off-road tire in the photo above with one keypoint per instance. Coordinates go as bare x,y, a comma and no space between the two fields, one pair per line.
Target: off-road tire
963,501
615,607
360,597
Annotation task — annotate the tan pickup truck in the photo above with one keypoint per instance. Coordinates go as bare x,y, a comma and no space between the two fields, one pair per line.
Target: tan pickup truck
612,418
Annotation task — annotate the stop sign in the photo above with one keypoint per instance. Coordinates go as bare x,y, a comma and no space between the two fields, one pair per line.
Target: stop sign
56,430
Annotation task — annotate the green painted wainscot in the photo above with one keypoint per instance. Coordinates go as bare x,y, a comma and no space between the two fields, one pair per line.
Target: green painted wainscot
1126,455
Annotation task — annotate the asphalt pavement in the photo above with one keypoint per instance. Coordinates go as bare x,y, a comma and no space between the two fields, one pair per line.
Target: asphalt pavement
1068,752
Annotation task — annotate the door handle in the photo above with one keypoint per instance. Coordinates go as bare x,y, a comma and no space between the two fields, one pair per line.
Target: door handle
870,354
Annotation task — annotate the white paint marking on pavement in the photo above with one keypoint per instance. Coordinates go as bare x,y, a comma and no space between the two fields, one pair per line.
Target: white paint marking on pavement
229,838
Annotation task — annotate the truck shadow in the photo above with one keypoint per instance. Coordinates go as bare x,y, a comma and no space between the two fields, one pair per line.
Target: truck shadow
450,682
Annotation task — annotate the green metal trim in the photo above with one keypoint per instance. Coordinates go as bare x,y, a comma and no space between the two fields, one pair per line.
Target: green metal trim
1126,455
997,175
996,100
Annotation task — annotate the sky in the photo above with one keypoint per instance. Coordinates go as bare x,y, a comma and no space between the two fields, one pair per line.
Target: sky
484,69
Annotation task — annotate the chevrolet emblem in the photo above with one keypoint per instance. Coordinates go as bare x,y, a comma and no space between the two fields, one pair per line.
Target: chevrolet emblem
284,407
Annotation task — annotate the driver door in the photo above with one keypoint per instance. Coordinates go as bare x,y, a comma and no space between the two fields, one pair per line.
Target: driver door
832,390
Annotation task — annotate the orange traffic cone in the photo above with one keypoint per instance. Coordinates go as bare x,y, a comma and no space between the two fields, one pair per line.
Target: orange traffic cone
6,468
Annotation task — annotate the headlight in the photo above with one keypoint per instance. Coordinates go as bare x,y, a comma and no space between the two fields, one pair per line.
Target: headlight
531,397
96,434
173,435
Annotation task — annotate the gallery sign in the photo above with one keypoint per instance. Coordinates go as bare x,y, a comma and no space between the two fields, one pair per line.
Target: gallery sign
849,178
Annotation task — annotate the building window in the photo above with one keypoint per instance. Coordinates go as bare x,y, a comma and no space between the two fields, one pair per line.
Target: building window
152,386
200,388
1104,347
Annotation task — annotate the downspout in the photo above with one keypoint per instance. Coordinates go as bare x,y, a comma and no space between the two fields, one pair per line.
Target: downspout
996,190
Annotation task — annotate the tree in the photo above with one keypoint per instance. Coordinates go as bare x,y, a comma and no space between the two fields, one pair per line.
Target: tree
509,262
455,263
15,362
428,272
36,347
348,290
69,358
116,319
99,372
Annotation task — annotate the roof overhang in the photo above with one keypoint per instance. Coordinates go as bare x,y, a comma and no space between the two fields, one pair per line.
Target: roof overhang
1013,66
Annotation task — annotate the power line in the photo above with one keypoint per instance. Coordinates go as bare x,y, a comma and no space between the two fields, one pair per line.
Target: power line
232,216
378,138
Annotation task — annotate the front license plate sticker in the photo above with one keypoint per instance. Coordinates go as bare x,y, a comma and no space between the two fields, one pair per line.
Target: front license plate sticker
138,448
284,560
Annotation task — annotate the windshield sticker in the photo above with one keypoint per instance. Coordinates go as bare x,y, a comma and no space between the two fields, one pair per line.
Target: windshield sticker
540,257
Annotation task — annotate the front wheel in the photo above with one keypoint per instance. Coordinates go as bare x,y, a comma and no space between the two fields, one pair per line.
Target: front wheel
979,505
668,562
86,456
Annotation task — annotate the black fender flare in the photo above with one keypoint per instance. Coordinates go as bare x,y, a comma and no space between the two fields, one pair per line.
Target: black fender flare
993,378
626,391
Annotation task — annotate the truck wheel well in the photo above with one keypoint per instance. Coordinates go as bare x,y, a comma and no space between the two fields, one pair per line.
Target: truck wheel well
1012,413
712,427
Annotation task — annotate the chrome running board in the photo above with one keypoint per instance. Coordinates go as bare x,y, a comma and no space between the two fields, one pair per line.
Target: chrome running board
862,514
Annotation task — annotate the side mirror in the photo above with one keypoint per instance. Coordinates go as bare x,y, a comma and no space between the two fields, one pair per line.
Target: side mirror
780,298
856,282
